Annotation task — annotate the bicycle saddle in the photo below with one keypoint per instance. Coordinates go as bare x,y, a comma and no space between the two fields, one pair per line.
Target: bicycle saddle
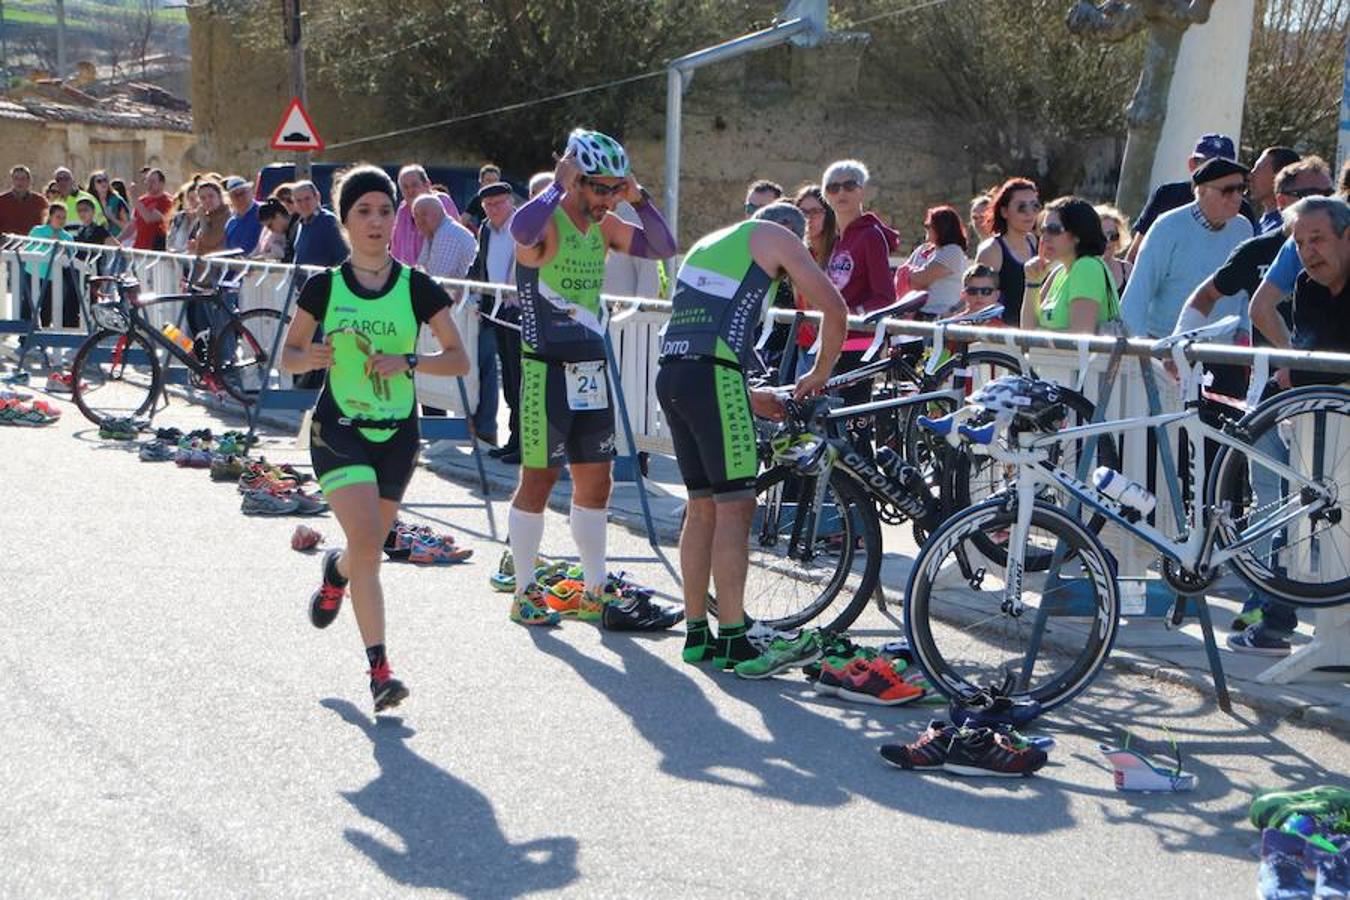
1203,333
987,314
906,306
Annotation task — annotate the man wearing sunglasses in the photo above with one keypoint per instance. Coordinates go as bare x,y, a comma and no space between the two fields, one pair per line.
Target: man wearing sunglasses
1184,247
1169,196
566,414
760,194
1241,274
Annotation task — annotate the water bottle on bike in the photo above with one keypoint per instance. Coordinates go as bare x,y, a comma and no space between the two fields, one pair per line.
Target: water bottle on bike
173,333
1123,490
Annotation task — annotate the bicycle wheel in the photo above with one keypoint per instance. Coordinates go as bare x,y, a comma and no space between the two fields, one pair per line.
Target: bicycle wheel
241,353
979,477
791,579
966,638
1308,562
115,375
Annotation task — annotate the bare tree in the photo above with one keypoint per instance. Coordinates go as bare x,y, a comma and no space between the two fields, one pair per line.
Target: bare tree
136,30
1294,78
1165,22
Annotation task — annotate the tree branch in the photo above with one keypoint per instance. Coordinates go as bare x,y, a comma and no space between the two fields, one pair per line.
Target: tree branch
1114,20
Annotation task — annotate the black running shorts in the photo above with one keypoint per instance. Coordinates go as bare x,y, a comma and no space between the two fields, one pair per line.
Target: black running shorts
342,457
707,410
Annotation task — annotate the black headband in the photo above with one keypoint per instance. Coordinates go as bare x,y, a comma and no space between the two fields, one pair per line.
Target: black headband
357,185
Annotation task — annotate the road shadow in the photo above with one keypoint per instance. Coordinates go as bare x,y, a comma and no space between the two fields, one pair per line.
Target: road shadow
449,833
809,758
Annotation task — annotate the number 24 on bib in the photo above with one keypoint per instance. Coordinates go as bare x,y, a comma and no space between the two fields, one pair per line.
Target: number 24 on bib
586,386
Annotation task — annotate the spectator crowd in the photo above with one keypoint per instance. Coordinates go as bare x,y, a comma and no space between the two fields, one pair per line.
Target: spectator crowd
1269,242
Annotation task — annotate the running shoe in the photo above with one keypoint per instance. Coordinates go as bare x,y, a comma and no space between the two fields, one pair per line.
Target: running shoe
982,751
21,396
1247,618
840,650
434,552
226,468
590,607
1259,641
169,435
640,614
993,706
529,608
762,636
386,690
326,602
1283,861
156,451
192,458
12,412
261,481
1333,870
834,671
878,683
19,377
1269,809
61,383
563,595
266,503
929,751
783,654
504,579
118,429
623,586
305,504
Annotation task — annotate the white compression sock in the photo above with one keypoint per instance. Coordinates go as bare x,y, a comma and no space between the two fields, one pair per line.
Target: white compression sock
588,530
526,531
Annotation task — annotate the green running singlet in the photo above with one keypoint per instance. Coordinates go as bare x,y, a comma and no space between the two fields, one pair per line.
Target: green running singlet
720,294
560,325
560,301
357,328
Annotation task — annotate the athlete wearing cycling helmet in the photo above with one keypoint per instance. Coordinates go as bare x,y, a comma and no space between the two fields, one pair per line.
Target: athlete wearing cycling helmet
562,236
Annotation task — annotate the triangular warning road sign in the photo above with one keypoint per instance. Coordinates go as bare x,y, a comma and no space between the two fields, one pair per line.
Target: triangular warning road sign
296,131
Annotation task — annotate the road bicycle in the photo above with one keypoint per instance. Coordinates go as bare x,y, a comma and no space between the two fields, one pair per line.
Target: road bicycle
821,505
118,372
1272,508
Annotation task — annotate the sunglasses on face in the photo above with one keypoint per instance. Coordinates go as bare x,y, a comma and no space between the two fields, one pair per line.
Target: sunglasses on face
606,190
1111,236
980,291
1052,228
1027,206
1231,190
837,186
1300,193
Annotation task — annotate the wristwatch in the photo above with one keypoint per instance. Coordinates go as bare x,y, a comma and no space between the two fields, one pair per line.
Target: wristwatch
411,360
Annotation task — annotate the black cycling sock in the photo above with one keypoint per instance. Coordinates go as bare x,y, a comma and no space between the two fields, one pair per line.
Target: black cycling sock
330,571
375,656
698,640
732,646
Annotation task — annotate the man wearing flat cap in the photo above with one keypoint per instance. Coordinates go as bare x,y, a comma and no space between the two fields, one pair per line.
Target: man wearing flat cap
1184,246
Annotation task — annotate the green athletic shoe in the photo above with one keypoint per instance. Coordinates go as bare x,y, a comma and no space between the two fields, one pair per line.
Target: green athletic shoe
1270,808
591,606
839,651
1246,619
118,429
504,579
530,609
783,654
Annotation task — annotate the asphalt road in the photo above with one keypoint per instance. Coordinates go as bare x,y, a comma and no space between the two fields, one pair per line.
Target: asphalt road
177,728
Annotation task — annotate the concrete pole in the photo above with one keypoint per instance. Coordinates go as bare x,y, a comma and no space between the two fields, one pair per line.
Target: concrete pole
1208,89
297,41
674,107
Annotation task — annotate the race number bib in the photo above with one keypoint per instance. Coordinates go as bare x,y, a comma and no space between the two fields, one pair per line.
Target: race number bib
586,387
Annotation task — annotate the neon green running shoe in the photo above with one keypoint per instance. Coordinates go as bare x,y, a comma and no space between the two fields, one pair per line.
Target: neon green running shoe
1270,808
504,579
591,606
529,608
783,654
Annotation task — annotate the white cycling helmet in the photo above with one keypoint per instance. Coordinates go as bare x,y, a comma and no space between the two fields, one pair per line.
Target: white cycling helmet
1018,397
597,154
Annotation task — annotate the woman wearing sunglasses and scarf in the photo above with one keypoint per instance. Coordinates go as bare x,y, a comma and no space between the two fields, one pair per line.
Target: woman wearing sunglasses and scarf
859,266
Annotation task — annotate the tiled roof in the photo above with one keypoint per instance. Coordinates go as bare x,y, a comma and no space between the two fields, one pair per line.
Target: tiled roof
114,112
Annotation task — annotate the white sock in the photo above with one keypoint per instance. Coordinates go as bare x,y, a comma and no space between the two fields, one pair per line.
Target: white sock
588,530
526,531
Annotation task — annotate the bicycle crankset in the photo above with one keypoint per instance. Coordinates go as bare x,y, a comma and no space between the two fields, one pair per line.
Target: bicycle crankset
1186,582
